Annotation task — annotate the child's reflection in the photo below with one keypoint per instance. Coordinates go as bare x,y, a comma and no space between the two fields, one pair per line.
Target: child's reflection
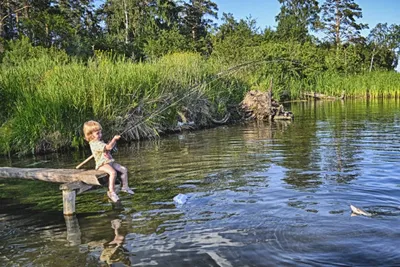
113,250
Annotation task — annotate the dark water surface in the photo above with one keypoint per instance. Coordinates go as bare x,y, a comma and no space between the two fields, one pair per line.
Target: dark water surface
275,194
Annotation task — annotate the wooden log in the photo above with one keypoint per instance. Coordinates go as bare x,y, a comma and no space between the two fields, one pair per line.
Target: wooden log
54,175
78,186
69,191
281,117
318,95
69,202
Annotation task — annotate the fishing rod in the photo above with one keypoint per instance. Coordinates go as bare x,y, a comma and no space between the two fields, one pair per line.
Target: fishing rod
192,90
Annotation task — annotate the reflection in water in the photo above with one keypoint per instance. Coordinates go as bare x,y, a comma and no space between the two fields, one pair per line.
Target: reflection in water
275,194
73,230
113,251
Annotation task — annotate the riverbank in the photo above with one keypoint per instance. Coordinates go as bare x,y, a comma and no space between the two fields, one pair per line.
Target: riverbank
47,98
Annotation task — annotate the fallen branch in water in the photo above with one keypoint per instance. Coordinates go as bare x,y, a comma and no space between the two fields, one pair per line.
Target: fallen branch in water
321,96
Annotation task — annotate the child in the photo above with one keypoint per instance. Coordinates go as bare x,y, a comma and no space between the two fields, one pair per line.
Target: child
104,160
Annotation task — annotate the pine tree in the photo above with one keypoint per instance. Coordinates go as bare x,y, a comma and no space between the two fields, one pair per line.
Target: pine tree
339,21
132,24
195,20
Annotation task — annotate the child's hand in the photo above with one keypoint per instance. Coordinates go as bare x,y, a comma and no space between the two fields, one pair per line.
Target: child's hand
113,142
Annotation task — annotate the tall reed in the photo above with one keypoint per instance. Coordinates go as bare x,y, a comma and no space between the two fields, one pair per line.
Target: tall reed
47,103
371,84
46,99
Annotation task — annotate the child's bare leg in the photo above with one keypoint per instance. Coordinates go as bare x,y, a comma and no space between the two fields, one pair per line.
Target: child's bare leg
112,176
124,174
124,177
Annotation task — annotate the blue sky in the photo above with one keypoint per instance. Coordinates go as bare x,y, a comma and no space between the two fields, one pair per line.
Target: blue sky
264,11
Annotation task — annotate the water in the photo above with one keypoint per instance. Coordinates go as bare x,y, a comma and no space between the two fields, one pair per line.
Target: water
274,194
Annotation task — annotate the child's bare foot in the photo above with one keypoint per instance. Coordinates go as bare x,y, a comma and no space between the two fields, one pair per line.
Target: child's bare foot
113,196
127,190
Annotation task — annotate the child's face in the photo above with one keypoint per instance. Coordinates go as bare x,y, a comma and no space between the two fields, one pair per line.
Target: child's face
96,135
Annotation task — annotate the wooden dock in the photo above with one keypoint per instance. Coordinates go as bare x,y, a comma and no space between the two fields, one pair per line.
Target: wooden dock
72,181
54,175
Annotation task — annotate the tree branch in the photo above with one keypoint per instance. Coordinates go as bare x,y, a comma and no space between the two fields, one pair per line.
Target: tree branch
15,11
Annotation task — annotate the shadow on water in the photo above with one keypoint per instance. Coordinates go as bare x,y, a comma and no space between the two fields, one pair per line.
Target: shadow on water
269,194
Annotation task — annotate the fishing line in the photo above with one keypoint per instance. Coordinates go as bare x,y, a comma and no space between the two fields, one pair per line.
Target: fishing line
193,89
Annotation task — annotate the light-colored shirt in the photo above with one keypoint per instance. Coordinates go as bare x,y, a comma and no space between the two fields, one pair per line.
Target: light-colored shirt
101,155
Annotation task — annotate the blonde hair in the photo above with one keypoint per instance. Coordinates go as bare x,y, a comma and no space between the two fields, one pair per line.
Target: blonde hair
90,127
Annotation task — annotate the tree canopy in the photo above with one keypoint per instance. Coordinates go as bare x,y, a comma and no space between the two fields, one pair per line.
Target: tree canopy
296,18
143,30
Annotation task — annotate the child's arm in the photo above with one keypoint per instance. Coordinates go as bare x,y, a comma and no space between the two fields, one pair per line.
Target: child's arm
112,143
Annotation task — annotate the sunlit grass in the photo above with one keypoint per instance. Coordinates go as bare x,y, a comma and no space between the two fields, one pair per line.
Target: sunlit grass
47,99
47,103
373,85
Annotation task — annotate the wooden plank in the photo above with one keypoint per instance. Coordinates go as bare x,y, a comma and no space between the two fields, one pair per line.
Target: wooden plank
54,175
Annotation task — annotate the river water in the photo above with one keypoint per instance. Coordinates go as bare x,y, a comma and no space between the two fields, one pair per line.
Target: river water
270,194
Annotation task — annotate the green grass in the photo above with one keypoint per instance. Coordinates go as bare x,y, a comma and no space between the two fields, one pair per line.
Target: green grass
375,84
47,98
47,103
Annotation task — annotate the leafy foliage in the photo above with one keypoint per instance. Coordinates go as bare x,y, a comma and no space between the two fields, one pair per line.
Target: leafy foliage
296,17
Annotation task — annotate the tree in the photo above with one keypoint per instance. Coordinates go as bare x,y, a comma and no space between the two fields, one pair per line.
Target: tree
384,41
296,18
65,24
246,29
339,21
165,42
81,26
234,39
378,39
394,32
196,24
125,23
11,11
132,24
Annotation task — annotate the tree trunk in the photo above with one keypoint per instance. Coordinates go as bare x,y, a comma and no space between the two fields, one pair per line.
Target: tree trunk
337,24
2,17
372,60
126,23
194,33
8,21
26,12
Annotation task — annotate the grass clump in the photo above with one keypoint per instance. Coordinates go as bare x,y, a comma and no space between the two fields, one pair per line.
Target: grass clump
48,102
